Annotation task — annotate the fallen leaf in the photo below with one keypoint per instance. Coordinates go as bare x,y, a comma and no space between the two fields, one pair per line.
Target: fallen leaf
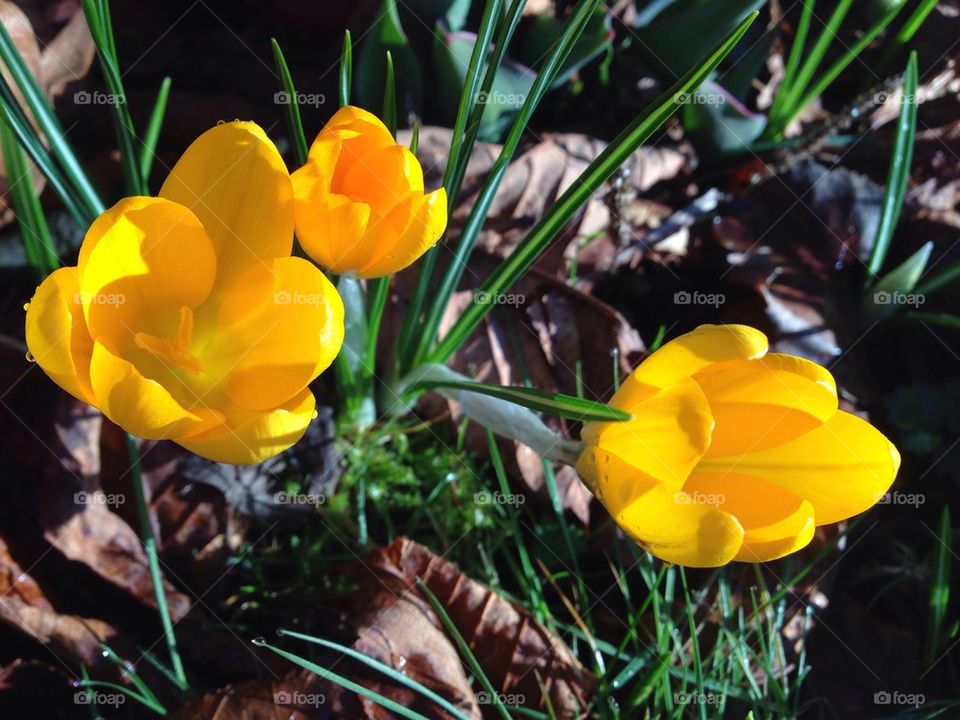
516,652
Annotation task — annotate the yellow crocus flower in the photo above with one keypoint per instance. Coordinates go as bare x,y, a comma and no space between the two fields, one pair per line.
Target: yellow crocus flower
360,202
733,453
186,318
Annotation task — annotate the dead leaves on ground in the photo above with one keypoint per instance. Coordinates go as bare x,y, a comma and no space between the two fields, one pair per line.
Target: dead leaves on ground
392,621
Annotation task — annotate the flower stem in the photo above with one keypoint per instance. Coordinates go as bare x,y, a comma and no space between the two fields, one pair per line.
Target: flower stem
153,562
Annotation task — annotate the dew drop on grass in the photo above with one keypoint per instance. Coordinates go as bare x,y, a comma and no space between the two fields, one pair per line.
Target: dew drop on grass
259,641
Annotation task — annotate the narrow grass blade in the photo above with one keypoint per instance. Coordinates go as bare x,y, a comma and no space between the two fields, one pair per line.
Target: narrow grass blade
793,61
847,57
152,135
49,125
153,563
554,220
390,97
812,62
340,680
468,236
504,34
537,602
459,152
913,23
465,652
291,105
98,20
899,173
34,233
939,590
346,69
14,117
390,672
553,403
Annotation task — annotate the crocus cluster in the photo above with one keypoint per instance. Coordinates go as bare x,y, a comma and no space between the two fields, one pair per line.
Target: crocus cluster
187,318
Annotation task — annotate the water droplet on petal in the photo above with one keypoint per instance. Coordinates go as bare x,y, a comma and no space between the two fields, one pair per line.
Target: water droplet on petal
315,415
21,578
26,306
30,357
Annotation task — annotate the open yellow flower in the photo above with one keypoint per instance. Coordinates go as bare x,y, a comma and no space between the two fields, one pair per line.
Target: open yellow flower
186,317
360,204
732,453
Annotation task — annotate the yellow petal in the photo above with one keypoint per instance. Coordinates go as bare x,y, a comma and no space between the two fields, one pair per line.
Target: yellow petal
776,522
842,467
682,357
331,228
658,517
758,404
249,437
667,436
350,116
427,224
138,404
140,262
235,181
382,178
279,325
57,335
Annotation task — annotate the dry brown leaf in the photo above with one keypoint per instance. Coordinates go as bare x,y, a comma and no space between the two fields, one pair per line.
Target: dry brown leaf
78,517
67,57
296,696
15,583
515,651
73,639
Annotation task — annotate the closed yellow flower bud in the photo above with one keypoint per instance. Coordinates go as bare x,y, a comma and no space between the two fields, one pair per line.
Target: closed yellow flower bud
186,318
360,202
732,453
